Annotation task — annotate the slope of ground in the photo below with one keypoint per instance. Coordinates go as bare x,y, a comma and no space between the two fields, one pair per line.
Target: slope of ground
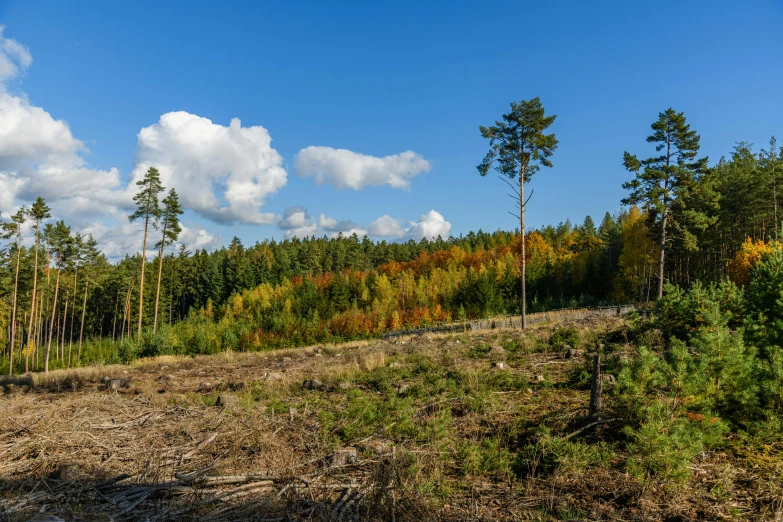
450,427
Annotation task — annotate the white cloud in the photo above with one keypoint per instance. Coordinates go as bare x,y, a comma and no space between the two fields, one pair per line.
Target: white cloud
125,238
29,134
296,222
347,169
387,226
15,58
198,156
430,225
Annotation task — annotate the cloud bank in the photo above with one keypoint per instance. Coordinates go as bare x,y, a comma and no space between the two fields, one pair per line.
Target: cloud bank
222,173
343,168
296,222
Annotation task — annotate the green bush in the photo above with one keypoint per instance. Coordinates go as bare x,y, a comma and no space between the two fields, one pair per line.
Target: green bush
565,335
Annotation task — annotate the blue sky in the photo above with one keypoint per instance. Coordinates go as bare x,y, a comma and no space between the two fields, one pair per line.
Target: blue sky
376,80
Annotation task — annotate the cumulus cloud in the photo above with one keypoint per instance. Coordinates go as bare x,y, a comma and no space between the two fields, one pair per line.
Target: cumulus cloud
124,238
198,156
429,225
347,169
296,222
39,156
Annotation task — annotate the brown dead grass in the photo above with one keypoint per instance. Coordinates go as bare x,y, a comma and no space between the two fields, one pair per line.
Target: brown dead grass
165,424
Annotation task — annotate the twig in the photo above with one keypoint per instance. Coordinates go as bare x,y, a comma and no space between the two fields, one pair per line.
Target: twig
588,426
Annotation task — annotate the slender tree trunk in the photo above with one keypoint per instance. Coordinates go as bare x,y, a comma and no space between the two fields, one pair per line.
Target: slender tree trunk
51,328
39,335
661,253
65,323
116,307
160,273
73,316
143,262
523,304
81,328
32,311
13,314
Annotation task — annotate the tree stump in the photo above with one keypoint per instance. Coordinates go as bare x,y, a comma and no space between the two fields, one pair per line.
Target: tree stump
596,389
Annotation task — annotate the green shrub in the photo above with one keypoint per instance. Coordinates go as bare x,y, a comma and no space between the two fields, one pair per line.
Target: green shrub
663,446
553,454
565,335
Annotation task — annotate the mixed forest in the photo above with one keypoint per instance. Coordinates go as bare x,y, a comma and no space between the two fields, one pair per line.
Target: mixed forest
687,220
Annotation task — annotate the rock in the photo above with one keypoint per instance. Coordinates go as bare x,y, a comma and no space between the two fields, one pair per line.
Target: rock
539,378
565,347
345,385
226,400
529,390
338,355
395,365
573,354
65,472
313,384
497,351
115,384
458,341
166,377
286,359
344,456
273,376
402,388
608,378
317,355
499,365
204,387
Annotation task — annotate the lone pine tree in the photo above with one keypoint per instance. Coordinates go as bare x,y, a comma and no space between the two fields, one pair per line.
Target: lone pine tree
147,208
518,148
664,181
171,229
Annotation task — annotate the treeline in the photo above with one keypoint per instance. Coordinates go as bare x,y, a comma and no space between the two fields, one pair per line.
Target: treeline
62,300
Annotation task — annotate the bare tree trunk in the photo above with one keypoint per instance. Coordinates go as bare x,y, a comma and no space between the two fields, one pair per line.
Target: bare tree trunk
141,281
40,333
64,325
596,389
51,327
32,310
114,324
81,328
523,304
661,253
13,314
160,273
73,316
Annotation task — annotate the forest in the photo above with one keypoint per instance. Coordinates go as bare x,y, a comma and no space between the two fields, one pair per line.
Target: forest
64,304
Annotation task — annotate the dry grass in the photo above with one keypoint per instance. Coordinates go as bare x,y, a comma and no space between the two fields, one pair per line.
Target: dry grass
442,450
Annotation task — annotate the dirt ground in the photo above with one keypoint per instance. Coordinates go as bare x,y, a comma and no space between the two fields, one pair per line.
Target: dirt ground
427,428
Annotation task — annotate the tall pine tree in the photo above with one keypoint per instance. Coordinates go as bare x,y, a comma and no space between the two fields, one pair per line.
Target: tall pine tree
519,147
171,229
663,181
148,209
